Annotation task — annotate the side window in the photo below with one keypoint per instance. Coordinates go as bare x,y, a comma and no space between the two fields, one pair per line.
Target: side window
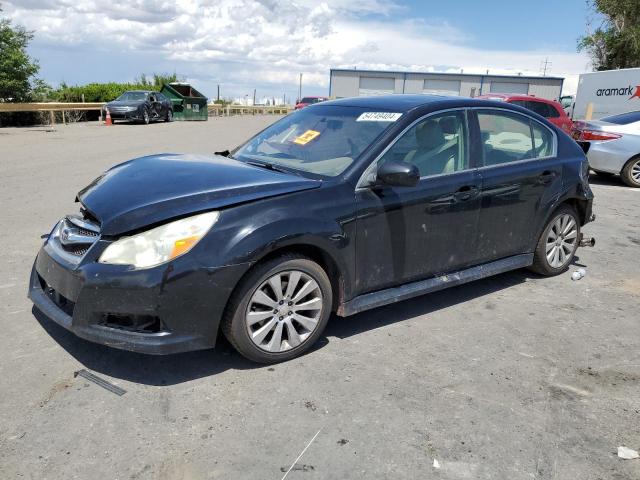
508,138
543,109
542,140
553,112
436,145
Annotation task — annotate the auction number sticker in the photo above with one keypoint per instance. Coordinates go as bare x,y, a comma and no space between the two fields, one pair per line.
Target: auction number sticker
306,137
378,117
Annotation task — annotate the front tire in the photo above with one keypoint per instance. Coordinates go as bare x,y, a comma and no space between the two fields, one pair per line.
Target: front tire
558,243
631,173
169,117
279,310
145,117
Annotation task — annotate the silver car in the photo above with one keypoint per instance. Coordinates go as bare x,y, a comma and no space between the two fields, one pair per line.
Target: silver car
612,145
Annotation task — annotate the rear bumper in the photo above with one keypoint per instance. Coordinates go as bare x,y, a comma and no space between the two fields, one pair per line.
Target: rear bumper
608,156
108,305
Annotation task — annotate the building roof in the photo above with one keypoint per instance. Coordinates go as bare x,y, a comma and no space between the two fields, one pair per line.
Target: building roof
351,70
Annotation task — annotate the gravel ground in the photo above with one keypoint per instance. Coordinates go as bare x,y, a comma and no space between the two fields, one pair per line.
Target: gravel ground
512,377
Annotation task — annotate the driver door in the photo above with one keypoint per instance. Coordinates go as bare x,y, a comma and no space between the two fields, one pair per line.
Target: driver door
411,233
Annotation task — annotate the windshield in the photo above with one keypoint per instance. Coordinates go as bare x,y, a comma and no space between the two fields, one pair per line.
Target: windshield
623,118
132,96
323,140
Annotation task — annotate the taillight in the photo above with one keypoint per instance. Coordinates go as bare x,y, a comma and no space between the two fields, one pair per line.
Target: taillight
595,136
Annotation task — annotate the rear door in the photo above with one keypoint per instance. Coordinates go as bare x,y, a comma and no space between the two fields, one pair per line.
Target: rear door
520,178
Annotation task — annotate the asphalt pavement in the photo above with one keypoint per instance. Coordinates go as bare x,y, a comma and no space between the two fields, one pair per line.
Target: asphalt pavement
512,377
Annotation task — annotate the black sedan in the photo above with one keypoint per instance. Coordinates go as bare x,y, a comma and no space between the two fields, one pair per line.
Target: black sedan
341,207
140,105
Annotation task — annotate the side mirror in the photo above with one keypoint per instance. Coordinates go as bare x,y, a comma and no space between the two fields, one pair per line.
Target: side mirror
398,174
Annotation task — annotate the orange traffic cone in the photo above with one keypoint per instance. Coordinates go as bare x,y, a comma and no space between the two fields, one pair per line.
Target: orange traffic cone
107,120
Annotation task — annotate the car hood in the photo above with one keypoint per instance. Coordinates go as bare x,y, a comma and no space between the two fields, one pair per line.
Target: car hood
153,189
125,103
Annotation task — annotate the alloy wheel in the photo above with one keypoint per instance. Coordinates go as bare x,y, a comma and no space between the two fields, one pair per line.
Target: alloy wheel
284,311
561,240
635,172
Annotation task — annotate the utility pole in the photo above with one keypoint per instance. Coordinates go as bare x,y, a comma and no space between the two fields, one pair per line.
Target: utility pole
254,96
300,89
544,66
218,92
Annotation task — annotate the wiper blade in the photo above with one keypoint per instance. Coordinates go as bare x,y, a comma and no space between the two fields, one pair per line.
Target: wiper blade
270,166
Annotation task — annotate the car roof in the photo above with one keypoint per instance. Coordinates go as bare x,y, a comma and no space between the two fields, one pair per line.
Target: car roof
140,91
402,103
516,96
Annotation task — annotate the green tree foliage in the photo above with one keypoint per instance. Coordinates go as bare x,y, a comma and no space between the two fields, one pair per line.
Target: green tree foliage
17,69
105,92
616,42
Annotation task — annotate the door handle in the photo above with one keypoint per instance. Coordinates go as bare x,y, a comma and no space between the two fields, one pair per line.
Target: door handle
546,177
465,193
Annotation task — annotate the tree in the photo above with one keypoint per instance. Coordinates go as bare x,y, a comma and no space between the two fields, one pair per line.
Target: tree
17,69
616,42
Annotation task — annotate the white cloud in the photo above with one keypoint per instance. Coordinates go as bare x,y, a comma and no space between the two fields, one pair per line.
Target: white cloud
263,43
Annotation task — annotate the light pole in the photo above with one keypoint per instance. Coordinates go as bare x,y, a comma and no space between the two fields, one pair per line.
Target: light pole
300,89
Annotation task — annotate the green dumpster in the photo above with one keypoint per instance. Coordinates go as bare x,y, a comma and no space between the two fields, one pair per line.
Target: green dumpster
188,103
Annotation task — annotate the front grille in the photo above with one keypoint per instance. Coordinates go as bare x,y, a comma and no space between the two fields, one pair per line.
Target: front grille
133,323
75,235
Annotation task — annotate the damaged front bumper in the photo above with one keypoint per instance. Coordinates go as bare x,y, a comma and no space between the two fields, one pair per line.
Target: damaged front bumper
171,308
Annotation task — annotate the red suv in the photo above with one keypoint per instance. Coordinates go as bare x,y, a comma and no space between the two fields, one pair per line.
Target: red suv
306,101
549,109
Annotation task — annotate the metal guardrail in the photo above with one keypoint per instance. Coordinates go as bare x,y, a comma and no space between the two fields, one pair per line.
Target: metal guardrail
49,107
226,110
52,108
212,109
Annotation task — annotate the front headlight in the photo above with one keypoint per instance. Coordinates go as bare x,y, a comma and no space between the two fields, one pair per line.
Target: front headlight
160,244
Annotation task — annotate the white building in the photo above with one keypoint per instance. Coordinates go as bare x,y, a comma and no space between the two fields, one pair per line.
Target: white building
352,83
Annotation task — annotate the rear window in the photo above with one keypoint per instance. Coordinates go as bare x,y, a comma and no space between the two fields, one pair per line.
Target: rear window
623,118
310,100
541,108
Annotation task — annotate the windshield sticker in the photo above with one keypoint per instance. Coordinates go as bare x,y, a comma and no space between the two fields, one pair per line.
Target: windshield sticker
378,117
306,137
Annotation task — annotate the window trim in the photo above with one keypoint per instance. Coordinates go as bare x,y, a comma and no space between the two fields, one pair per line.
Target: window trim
366,181
554,152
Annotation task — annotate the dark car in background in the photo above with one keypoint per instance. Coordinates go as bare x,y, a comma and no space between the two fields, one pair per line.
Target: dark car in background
140,105
338,208
549,109
306,101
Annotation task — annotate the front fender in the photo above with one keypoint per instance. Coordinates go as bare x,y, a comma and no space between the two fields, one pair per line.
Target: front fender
248,233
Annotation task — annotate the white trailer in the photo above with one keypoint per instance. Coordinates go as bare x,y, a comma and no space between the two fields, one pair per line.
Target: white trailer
609,92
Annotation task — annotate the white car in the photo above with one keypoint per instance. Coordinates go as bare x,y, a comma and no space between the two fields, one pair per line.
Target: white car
612,145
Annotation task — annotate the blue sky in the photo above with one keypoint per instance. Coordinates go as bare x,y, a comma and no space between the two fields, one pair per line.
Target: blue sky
522,25
264,44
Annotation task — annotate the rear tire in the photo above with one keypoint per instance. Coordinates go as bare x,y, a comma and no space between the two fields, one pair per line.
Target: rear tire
558,243
279,310
631,173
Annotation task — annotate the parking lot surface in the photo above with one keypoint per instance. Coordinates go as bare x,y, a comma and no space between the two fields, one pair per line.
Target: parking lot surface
511,377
